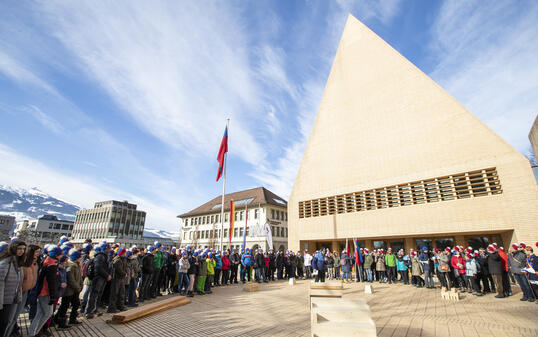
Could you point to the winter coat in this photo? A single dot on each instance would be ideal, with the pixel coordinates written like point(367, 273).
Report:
point(518, 260)
point(293, 260)
point(159, 260)
point(210, 266)
point(346, 267)
point(218, 262)
point(368, 260)
point(234, 259)
point(74, 278)
point(225, 262)
point(246, 259)
point(532, 261)
point(11, 278)
point(390, 260)
point(494, 263)
point(300, 262)
point(184, 265)
point(30, 277)
point(148, 263)
point(458, 264)
point(101, 265)
point(193, 267)
point(444, 261)
point(483, 263)
point(272, 261)
point(318, 262)
point(471, 268)
point(202, 266)
point(48, 279)
point(135, 266)
point(120, 267)
point(416, 267)
point(504, 260)
point(336, 261)
point(259, 262)
point(171, 265)
point(380, 263)
point(307, 260)
point(279, 261)
point(427, 263)
point(400, 264)
point(62, 279)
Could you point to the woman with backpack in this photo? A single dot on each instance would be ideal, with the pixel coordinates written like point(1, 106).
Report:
point(11, 279)
point(47, 290)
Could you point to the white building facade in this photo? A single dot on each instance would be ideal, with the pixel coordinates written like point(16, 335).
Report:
point(201, 227)
point(45, 229)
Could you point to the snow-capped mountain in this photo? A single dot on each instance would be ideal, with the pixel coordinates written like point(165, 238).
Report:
point(32, 203)
point(159, 233)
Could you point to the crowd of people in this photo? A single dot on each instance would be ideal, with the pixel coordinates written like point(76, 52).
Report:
point(51, 281)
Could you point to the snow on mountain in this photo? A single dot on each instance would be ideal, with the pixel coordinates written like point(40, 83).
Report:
point(32, 203)
point(159, 233)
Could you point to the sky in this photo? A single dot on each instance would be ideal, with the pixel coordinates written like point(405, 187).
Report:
point(128, 100)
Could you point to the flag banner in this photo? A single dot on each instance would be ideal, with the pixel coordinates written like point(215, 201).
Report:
point(222, 152)
point(268, 235)
point(232, 220)
point(246, 226)
point(358, 256)
point(347, 248)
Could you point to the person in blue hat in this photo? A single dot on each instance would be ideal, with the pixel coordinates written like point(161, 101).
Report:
point(72, 291)
point(100, 276)
point(148, 268)
point(192, 272)
point(235, 260)
point(218, 268)
point(202, 273)
point(246, 262)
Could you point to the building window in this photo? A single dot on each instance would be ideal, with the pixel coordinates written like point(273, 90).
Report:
point(277, 215)
point(212, 219)
point(57, 226)
point(235, 232)
point(423, 243)
point(457, 186)
point(241, 216)
point(217, 217)
point(226, 217)
point(272, 214)
point(478, 242)
point(241, 231)
point(235, 216)
point(281, 215)
point(256, 211)
point(396, 245)
point(379, 245)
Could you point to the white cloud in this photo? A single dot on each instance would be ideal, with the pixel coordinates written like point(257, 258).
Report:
point(172, 68)
point(21, 74)
point(22, 171)
point(46, 120)
point(487, 60)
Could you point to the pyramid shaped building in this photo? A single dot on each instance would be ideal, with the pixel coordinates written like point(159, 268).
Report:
point(394, 161)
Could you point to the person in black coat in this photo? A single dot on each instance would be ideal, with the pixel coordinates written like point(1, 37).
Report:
point(484, 275)
point(100, 277)
point(259, 264)
point(495, 269)
point(148, 268)
point(272, 265)
point(234, 265)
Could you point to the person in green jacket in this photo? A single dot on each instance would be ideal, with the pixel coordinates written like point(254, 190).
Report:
point(158, 265)
point(336, 265)
point(202, 273)
point(390, 262)
point(211, 263)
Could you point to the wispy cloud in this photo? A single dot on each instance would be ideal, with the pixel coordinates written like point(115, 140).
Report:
point(21, 74)
point(46, 120)
point(487, 60)
point(22, 171)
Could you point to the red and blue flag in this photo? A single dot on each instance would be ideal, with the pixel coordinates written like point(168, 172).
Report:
point(222, 152)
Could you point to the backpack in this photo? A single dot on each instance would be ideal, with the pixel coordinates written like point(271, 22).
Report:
point(343, 261)
point(88, 269)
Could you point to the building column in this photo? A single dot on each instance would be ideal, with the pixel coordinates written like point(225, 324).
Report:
point(369, 244)
point(409, 243)
point(334, 246)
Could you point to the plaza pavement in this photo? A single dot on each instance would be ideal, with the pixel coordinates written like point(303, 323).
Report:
point(282, 310)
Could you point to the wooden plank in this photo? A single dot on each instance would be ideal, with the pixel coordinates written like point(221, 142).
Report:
point(148, 309)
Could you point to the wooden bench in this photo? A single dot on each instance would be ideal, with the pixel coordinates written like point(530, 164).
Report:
point(334, 285)
point(251, 287)
point(345, 302)
point(148, 309)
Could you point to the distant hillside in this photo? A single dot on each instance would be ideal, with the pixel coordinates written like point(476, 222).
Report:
point(25, 204)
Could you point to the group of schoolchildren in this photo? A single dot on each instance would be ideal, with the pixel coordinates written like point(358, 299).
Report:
point(478, 272)
point(50, 281)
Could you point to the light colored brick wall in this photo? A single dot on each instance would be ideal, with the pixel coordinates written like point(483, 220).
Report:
point(381, 122)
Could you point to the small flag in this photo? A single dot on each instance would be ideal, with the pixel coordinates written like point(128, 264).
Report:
point(222, 152)
point(232, 220)
point(347, 248)
point(246, 226)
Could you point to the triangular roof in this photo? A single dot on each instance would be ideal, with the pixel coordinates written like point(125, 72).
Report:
point(259, 196)
point(382, 118)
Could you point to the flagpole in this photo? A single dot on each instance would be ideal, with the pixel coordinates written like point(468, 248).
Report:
point(223, 191)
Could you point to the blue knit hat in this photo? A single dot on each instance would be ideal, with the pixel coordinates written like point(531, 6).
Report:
point(157, 244)
point(3, 246)
point(87, 247)
point(104, 246)
point(210, 255)
point(195, 254)
point(151, 249)
point(74, 254)
point(128, 254)
point(97, 249)
point(54, 252)
point(424, 248)
point(62, 258)
point(13, 239)
point(63, 239)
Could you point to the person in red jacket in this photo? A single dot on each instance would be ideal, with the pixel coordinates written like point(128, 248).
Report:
point(225, 268)
point(267, 270)
point(459, 270)
point(505, 268)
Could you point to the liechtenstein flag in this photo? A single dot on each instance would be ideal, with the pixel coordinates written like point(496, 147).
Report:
point(222, 152)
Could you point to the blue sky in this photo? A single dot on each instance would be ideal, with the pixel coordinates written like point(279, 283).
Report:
point(128, 99)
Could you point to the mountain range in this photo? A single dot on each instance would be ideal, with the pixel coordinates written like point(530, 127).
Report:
point(32, 203)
